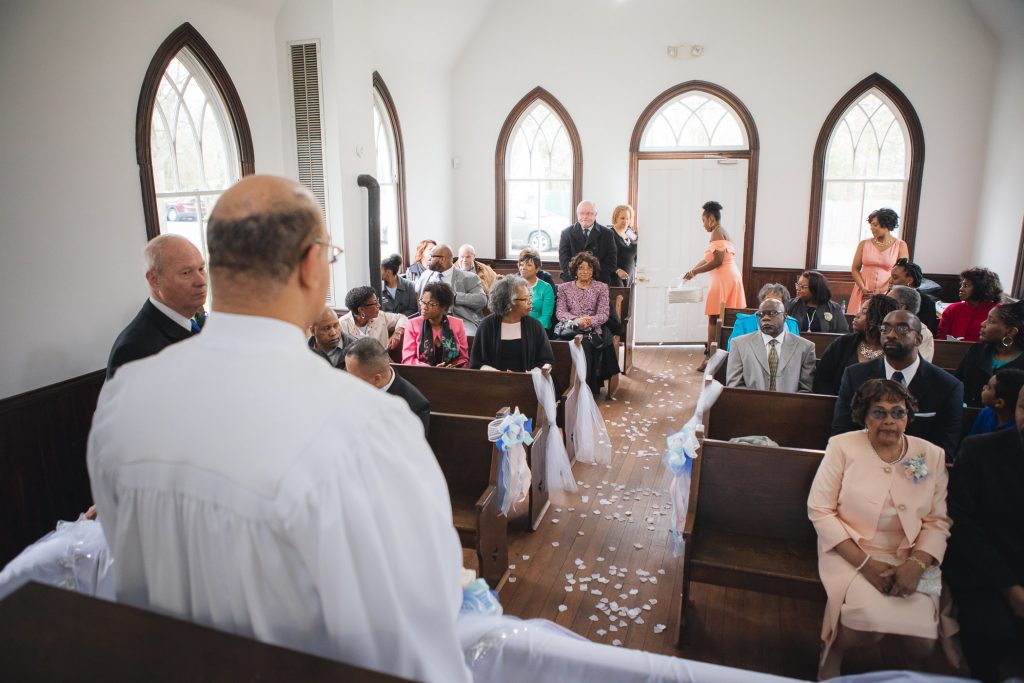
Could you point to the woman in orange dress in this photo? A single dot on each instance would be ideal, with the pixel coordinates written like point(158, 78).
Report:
point(726, 287)
point(875, 257)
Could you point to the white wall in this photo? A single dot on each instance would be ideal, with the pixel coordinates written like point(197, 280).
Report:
point(72, 228)
point(789, 62)
point(1002, 201)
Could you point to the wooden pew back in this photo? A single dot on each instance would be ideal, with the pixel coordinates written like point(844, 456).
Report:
point(821, 340)
point(728, 316)
point(468, 460)
point(791, 420)
point(472, 392)
point(948, 354)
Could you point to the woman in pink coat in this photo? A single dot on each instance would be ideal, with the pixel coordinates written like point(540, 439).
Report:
point(434, 337)
point(878, 503)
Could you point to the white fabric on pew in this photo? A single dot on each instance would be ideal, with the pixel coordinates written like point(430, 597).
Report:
point(503, 648)
point(558, 469)
point(73, 556)
point(584, 423)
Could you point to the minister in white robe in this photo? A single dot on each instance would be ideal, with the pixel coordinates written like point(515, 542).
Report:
point(243, 484)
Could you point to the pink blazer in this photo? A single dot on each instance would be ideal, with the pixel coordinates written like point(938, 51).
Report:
point(411, 343)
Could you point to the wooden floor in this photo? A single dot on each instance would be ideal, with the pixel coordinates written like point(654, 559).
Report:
point(611, 539)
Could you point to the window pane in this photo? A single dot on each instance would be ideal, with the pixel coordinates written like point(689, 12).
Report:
point(840, 224)
point(536, 213)
point(694, 121)
point(388, 220)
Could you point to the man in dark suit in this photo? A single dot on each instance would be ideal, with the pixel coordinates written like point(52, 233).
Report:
point(984, 562)
point(367, 359)
point(588, 235)
point(327, 340)
point(176, 274)
point(939, 395)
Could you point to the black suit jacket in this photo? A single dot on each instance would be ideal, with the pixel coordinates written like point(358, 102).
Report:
point(149, 332)
point(939, 395)
point(418, 403)
point(601, 244)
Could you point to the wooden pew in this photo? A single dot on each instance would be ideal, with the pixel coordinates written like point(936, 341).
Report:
point(821, 340)
point(791, 420)
point(52, 634)
point(948, 354)
point(483, 393)
point(621, 299)
point(728, 316)
point(747, 524)
point(471, 463)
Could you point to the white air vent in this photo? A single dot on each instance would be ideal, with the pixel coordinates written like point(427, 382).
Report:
point(309, 136)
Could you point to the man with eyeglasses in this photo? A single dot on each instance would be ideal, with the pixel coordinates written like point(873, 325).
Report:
point(239, 480)
point(470, 299)
point(771, 359)
point(939, 394)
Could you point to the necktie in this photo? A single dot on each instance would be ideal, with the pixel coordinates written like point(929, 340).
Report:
point(773, 363)
point(586, 235)
point(195, 326)
point(898, 377)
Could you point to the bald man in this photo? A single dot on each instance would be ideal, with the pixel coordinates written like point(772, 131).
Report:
point(586, 234)
point(467, 262)
point(327, 340)
point(470, 299)
point(176, 274)
point(241, 482)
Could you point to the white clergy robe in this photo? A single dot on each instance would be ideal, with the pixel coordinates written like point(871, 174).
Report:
point(244, 484)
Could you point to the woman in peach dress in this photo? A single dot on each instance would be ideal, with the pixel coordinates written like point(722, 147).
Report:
point(878, 503)
point(875, 257)
point(726, 287)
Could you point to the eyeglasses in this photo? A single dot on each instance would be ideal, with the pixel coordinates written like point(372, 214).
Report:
point(372, 304)
point(881, 413)
point(523, 298)
point(333, 252)
point(429, 304)
point(902, 329)
point(769, 314)
point(800, 286)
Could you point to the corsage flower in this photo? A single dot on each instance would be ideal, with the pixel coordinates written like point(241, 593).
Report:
point(915, 469)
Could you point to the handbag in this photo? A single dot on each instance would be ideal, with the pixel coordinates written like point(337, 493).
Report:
point(566, 329)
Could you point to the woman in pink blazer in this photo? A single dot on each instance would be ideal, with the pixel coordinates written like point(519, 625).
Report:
point(434, 337)
point(878, 503)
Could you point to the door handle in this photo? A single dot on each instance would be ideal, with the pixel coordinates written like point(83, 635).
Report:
point(642, 278)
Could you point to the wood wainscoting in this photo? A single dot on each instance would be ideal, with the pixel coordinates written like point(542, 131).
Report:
point(43, 477)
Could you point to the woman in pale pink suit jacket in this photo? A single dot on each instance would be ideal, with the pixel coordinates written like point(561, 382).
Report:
point(878, 503)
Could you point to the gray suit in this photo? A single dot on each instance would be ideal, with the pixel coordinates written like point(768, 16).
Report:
point(470, 299)
point(748, 363)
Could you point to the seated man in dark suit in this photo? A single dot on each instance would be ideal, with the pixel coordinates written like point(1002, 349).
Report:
point(176, 274)
point(586, 234)
point(367, 359)
point(984, 561)
point(327, 340)
point(939, 395)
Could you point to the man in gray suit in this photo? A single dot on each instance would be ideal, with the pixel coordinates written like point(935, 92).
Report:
point(771, 359)
point(469, 291)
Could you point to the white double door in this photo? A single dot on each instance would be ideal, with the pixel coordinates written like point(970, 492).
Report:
point(672, 239)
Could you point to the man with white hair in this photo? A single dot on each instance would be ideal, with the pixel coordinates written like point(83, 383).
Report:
point(239, 479)
point(176, 274)
point(467, 262)
point(586, 234)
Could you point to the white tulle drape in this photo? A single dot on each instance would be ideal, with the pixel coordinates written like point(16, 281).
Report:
point(584, 423)
point(558, 469)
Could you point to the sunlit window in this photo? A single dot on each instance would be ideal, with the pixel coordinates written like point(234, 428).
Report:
point(388, 177)
point(194, 156)
point(866, 168)
point(694, 121)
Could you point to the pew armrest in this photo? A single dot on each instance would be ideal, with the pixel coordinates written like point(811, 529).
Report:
point(691, 510)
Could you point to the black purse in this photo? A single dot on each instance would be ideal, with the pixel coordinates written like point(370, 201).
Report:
point(566, 329)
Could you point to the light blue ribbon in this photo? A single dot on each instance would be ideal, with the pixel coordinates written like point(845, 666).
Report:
point(678, 457)
point(515, 431)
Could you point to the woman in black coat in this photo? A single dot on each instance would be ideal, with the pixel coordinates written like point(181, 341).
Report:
point(1001, 345)
point(813, 307)
point(510, 338)
point(861, 345)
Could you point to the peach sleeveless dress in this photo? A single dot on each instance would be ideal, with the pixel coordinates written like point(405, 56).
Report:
point(726, 286)
point(875, 269)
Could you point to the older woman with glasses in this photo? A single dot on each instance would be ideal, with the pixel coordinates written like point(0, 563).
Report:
point(434, 337)
point(878, 503)
point(365, 319)
point(813, 307)
point(510, 338)
point(542, 291)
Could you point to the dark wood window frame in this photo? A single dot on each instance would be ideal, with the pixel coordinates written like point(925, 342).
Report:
point(396, 127)
point(1018, 273)
point(184, 36)
point(752, 153)
point(908, 221)
point(538, 93)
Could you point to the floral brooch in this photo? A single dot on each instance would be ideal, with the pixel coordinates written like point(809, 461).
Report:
point(915, 469)
point(828, 316)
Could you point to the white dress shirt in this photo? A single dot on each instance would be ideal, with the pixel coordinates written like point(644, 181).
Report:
point(766, 340)
point(172, 314)
point(244, 484)
point(908, 372)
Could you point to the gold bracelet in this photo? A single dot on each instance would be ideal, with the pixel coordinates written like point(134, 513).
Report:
point(921, 564)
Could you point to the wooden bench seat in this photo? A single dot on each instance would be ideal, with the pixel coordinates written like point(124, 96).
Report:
point(470, 463)
point(791, 420)
point(747, 524)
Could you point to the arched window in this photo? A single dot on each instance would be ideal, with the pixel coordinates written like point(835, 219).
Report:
point(869, 155)
point(538, 175)
point(387, 139)
point(192, 137)
point(694, 121)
